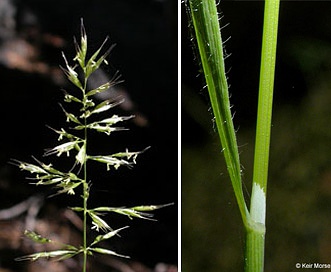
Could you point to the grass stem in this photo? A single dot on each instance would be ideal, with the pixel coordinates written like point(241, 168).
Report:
point(267, 72)
point(85, 187)
point(205, 21)
point(255, 239)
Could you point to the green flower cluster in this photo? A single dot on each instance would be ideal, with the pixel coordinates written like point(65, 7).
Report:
point(75, 142)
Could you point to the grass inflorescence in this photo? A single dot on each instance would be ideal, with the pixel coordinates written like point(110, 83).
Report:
point(73, 143)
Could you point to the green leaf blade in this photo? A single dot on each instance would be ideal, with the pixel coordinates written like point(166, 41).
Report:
point(206, 24)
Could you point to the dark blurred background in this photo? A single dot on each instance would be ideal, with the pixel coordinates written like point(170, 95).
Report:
point(299, 188)
point(32, 35)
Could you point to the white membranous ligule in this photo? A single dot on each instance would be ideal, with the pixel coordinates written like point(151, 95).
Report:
point(258, 204)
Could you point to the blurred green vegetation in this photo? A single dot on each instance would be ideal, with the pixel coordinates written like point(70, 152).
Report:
point(299, 188)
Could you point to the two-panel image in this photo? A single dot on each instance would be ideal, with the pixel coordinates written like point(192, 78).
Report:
point(165, 135)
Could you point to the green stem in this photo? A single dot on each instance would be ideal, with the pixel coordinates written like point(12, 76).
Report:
point(205, 20)
point(206, 25)
point(254, 257)
point(85, 232)
point(85, 196)
point(255, 237)
point(85, 188)
point(267, 74)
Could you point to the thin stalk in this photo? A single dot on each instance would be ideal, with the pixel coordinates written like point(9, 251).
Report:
point(256, 233)
point(267, 74)
point(85, 188)
point(206, 25)
point(85, 196)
